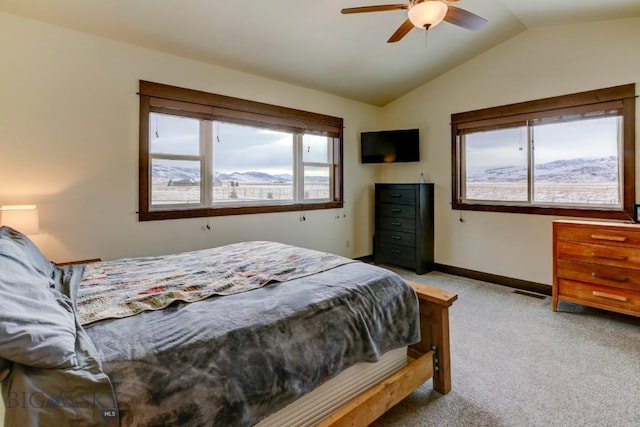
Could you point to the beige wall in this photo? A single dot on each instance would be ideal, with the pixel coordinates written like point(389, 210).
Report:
point(69, 124)
point(535, 64)
point(69, 143)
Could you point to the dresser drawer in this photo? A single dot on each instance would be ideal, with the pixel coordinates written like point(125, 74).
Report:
point(397, 210)
point(615, 277)
point(406, 225)
point(601, 236)
point(396, 254)
point(617, 256)
point(390, 195)
point(398, 238)
point(600, 296)
point(597, 263)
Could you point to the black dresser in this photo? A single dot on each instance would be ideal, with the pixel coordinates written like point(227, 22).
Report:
point(404, 226)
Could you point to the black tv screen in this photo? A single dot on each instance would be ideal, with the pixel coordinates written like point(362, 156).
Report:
point(390, 146)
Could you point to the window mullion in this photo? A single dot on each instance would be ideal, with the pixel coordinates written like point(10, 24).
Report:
point(331, 170)
point(461, 163)
point(316, 164)
point(530, 163)
point(621, 165)
point(298, 168)
point(206, 154)
point(173, 156)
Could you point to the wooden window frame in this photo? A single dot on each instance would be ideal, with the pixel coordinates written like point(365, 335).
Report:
point(157, 97)
point(494, 117)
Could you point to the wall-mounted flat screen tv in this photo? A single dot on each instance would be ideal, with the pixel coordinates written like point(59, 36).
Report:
point(390, 146)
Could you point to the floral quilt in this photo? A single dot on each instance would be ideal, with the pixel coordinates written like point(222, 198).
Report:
point(125, 287)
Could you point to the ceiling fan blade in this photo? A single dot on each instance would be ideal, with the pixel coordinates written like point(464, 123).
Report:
point(401, 32)
point(464, 19)
point(381, 8)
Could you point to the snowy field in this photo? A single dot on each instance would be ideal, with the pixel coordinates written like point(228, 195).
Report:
point(244, 191)
point(548, 192)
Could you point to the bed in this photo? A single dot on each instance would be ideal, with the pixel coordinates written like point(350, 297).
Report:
point(234, 335)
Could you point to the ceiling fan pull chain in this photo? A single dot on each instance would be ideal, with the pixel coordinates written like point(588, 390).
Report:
point(426, 37)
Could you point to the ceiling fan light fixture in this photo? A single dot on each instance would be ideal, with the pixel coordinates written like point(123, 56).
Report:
point(428, 13)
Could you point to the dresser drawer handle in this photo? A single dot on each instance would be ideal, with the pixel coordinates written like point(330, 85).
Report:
point(396, 195)
point(613, 279)
point(395, 251)
point(396, 237)
point(610, 296)
point(396, 210)
point(613, 257)
point(397, 224)
point(610, 238)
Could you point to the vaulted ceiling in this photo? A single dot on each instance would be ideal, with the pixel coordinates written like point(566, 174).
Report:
point(310, 43)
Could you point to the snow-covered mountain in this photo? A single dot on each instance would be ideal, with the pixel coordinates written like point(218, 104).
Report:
point(186, 174)
point(165, 173)
point(604, 169)
point(251, 177)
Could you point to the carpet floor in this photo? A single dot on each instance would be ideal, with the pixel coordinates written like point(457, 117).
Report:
point(517, 363)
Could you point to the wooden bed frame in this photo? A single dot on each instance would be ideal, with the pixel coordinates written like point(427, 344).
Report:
point(429, 358)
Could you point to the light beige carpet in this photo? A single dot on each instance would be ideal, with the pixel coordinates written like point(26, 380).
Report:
point(517, 363)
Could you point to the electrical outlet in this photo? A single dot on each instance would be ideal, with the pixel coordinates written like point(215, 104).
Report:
point(348, 243)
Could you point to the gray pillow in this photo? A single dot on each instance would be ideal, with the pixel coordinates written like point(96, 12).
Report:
point(67, 279)
point(5, 369)
point(37, 323)
point(32, 254)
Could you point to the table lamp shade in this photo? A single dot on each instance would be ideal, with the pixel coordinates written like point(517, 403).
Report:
point(23, 218)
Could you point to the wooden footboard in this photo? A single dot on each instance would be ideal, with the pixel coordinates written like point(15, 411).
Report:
point(429, 358)
point(434, 327)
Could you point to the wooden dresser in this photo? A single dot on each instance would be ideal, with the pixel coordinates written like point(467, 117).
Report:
point(597, 264)
point(404, 226)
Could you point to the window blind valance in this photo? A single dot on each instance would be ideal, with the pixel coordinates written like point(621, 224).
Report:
point(192, 103)
point(583, 102)
point(611, 108)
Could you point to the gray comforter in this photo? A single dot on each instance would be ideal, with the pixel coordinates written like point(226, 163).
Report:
point(233, 360)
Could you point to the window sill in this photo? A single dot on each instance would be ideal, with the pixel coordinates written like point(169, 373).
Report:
point(236, 210)
point(615, 214)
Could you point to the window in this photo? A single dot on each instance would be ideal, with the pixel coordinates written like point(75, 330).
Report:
point(570, 155)
point(203, 154)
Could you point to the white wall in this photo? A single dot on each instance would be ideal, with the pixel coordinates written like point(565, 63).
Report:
point(535, 64)
point(69, 143)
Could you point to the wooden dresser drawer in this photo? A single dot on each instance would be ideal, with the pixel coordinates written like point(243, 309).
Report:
point(397, 195)
point(597, 264)
point(623, 301)
point(601, 235)
point(615, 277)
point(617, 256)
point(406, 225)
point(395, 254)
point(397, 210)
point(398, 238)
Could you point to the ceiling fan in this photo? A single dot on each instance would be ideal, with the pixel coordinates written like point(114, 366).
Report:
point(425, 14)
